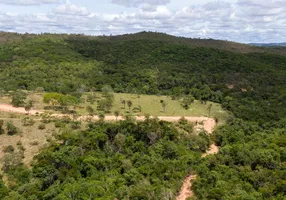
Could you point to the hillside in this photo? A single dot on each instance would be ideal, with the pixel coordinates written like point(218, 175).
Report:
point(145, 159)
point(248, 84)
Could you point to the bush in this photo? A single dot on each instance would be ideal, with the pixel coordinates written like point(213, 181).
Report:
point(11, 129)
point(34, 142)
point(27, 121)
point(183, 121)
point(1, 127)
point(59, 124)
point(8, 149)
point(46, 118)
point(42, 126)
point(75, 125)
point(18, 98)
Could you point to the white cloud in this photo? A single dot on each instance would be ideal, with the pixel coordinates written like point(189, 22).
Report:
point(242, 21)
point(137, 3)
point(159, 12)
point(28, 2)
point(71, 9)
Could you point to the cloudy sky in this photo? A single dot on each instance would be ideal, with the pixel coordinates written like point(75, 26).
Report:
point(236, 20)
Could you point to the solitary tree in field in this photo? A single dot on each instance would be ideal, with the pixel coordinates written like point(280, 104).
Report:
point(164, 104)
point(187, 101)
point(209, 109)
point(129, 104)
point(116, 113)
point(124, 103)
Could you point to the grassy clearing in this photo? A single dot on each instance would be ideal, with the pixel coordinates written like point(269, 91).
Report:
point(151, 105)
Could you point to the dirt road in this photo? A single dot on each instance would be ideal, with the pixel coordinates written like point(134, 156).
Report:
point(186, 189)
point(208, 123)
point(10, 108)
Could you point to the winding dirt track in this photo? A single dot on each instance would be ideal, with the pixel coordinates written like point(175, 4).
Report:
point(186, 189)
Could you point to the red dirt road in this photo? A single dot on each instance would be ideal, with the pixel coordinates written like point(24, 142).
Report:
point(208, 123)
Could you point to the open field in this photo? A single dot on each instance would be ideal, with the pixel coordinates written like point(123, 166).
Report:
point(150, 104)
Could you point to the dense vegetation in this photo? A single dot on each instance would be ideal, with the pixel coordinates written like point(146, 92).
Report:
point(126, 160)
point(250, 164)
point(144, 160)
point(250, 85)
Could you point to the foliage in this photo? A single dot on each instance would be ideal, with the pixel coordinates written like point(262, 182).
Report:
point(28, 121)
point(18, 98)
point(251, 163)
point(143, 160)
point(11, 128)
point(28, 106)
point(151, 63)
point(8, 149)
point(1, 127)
point(148, 160)
point(187, 101)
point(42, 126)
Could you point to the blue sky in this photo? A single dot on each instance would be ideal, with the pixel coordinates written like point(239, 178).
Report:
point(235, 20)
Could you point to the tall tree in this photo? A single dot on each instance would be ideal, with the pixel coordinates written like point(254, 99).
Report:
point(116, 113)
point(129, 104)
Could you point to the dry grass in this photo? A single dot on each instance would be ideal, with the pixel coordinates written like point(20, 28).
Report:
point(30, 137)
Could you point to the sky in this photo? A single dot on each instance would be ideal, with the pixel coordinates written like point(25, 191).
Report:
point(245, 21)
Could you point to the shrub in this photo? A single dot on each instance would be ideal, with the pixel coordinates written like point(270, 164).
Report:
point(34, 143)
point(46, 118)
point(27, 121)
point(18, 98)
point(1, 127)
point(42, 126)
point(59, 124)
point(8, 149)
point(11, 129)
point(183, 121)
point(75, 125)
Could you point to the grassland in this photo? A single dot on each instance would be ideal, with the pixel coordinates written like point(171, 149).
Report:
point(150, 104)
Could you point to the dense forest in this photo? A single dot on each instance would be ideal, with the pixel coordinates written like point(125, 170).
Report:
point(147, 160)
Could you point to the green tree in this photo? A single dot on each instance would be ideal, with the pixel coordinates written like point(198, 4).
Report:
point(124, 103)
point(90, 110)
point(116, 113)
point(28, 106)
point(129, 104)
point(1, 126)
point(187, 101)
point(101, 116)
point(11, 128)
point(209, 108)
point(18, 98)
point(164, 104)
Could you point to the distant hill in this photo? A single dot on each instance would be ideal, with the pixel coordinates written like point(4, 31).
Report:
point(269, 44)
point(247, 80)
point(6, 37)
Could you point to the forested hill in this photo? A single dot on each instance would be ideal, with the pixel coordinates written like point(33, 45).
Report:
point(249, 81)
point(148, 160)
